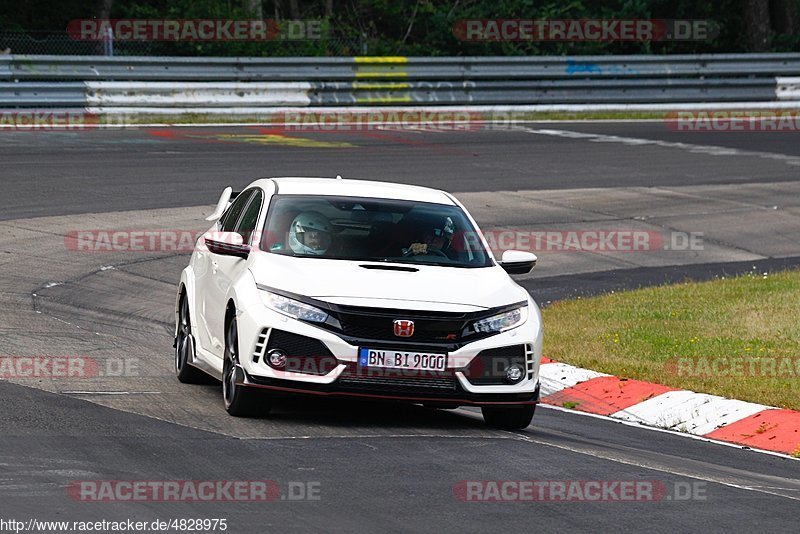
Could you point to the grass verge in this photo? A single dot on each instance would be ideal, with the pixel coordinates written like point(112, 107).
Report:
point(267, 117)
point(736, 337)
point(270, 117)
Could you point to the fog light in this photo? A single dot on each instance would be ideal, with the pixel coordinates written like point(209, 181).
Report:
point(276, 358)
point(514, 373)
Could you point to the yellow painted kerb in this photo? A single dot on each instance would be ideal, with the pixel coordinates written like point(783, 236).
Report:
point(377, 86)
point(381, 59)
point(382, 99)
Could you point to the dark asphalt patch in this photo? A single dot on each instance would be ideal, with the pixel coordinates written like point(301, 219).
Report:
point(553, 288)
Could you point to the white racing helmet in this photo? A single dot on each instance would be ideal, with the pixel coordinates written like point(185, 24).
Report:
point(300, 239)
point(444, 228)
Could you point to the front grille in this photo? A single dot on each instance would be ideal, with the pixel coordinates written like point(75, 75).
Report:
point(392, 380)
point(378, 324)
point(488, 367)
point(304, 354)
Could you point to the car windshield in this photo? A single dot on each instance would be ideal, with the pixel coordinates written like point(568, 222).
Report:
point(370, 229)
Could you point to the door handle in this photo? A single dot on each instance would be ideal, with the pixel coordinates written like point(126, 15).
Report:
point(214, 266)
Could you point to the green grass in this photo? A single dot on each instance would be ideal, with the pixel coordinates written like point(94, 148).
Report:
point(663, 334)
point(589, 115)
point(503, 119)
point(187, 118)
point(269, 116)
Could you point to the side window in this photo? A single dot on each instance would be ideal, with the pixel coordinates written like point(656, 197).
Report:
point(248, 223)
point(228, 222)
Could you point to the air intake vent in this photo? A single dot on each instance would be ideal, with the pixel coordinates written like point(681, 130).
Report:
point(303, 354)
point(489, 366)
point(530, 360)
point(393, 380)
point(261, 345)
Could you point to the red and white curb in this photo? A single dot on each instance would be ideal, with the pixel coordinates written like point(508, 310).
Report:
point(710, 416)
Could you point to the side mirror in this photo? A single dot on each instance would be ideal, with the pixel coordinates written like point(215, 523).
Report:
point(222, 204)
point(226, 244)
point(518, 262)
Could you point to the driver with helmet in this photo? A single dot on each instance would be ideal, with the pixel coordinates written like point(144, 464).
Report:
point(310, 234)
point(437, 239)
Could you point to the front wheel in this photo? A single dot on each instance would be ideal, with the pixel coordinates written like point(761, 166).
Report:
point(184, 348)
point(240, 401)
point(509, 417)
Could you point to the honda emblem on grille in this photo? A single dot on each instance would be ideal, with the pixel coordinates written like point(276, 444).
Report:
point(403, 328)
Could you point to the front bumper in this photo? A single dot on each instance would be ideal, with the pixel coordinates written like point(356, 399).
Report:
point(259, 324)
point(457, 396)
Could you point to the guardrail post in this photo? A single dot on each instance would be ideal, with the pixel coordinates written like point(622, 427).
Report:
point(108, 41)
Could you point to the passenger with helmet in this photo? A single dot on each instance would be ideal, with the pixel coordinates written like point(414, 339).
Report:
point(310, 233)
point(436, 239)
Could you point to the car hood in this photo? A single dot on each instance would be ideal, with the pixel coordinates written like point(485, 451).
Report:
point(347, 282)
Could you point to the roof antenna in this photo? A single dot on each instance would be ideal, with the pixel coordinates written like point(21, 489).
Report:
point(338, 176)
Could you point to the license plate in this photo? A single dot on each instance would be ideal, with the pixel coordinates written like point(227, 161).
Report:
point(397, 359)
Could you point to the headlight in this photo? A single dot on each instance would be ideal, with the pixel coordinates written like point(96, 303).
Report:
point(293, 308)
point(501, 321)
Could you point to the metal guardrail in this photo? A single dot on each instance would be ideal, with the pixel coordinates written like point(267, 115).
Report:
point(788, 88)
point(5, 67)
point(265, 82)
point(80, 68)
point(68, 94)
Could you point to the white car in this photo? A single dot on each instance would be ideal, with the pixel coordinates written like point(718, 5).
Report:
point(354, 288)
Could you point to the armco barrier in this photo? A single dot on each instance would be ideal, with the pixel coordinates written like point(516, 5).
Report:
point(5, 68)
point(192, 95)
point(35, 94)
point(186, 83)
point(788, 88)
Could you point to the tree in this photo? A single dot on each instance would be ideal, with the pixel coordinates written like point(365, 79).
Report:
point(784, 14)
point(103, 10)
point(294, 9)
point(756, 20)
point(254, 9)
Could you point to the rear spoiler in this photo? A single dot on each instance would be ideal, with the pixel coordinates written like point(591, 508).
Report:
point(224, 201)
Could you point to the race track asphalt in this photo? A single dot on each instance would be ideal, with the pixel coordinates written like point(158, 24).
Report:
point(376, 466)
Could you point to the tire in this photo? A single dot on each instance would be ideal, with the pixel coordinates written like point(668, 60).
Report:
point(184, 348)
point(239, 401)
point(509, 418)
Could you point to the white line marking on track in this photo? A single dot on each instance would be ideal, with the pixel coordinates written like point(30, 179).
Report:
point(710, 150)
point(598, 453)
point(667, 431)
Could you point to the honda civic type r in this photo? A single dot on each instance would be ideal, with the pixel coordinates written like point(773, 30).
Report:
point(354, 288)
